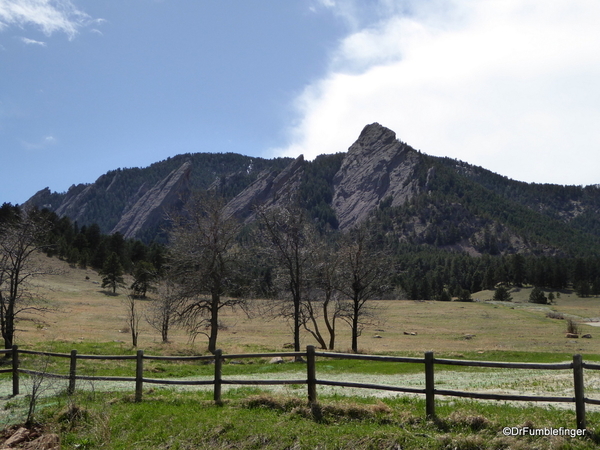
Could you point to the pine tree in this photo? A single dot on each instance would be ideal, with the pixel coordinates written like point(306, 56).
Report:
point(538, 296)
point(112, 272)
point(502, 294)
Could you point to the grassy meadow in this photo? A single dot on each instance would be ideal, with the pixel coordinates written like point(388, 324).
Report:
point(86, 318)
point(83, 312)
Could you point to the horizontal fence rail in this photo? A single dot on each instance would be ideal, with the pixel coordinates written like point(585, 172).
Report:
point(311, 380)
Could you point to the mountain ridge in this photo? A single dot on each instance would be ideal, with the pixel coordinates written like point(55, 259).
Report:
point(402, 194)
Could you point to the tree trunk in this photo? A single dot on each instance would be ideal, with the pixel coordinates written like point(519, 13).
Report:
point(134, 336)
point(214, 322)
point(355, 313)
point(315, 332)
point(332, 337)
point(329, 324)
point(8, 330)
point(296, 324)
point(164, 331)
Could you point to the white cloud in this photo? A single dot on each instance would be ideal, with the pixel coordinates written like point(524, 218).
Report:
point(509, 85)
point(32, 42)
point(42, 144)
point(50, 16)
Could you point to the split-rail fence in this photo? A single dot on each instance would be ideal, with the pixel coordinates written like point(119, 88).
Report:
point(311, 380)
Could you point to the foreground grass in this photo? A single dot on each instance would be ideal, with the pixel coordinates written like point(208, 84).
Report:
point(252, 419)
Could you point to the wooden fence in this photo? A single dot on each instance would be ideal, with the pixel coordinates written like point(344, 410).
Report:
point(311, 380)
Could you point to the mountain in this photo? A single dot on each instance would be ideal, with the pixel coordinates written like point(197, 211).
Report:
point(403, 195)
point(133, 201)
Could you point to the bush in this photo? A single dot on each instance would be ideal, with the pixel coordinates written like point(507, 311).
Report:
point(572, 327)
point(465, 296)
point(445, 296)
point(555, 315)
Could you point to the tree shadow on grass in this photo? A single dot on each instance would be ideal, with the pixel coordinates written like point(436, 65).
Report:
point(109, 293)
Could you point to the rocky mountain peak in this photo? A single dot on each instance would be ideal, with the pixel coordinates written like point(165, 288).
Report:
point(377, 166)
point(372, 137)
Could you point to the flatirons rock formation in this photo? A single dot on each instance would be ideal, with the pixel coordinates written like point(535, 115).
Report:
point(151, 207)
point(376, 167)
point(269, 190)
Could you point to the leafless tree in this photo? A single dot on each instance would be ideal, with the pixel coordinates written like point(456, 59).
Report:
point(204, 259)
point(133, 317)
point(161, 311)
point(323, 303)
point(20, 240)
point(364, 273)
point(41, 381)
point(287, 236)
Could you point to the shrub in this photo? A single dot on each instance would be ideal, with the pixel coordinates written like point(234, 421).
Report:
point(465, 296)
point(444, 296)
point(572, 327)
point(555, 315)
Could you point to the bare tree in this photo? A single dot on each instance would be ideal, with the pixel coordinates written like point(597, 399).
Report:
point(321, 303)
point(161, 312)
point(20, 240)
point(133, 317)
point(326, 283)
point(309, 315)
point(204, 258)
point(41, 382)
point(287, 234)
point(364, 275)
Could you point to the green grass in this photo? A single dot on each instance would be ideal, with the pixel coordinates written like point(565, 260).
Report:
point(179, 369)
point(251, 419)
point(326, 367)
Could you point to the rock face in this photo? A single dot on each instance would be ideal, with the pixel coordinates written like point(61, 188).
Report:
point(269, 190)
point(150, 209)
point(377, 167)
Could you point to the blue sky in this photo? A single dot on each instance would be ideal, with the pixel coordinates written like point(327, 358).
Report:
point(90, 86)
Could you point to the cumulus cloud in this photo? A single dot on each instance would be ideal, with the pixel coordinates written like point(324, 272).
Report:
point(50, 16)
point(509, 85)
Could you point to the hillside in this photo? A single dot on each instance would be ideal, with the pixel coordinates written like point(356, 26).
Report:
point(117, 193)
point(406, 197)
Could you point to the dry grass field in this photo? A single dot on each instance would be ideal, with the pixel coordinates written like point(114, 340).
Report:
point(83, 311)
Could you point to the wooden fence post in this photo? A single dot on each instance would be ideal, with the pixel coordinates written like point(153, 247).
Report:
point(139, 375)
point(311, 374)
point(72, 372)
point(579, 391)
point(218, 376)
point(429, 386)
point(15, 369)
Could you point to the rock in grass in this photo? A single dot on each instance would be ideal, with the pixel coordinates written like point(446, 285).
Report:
point(21, 435)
